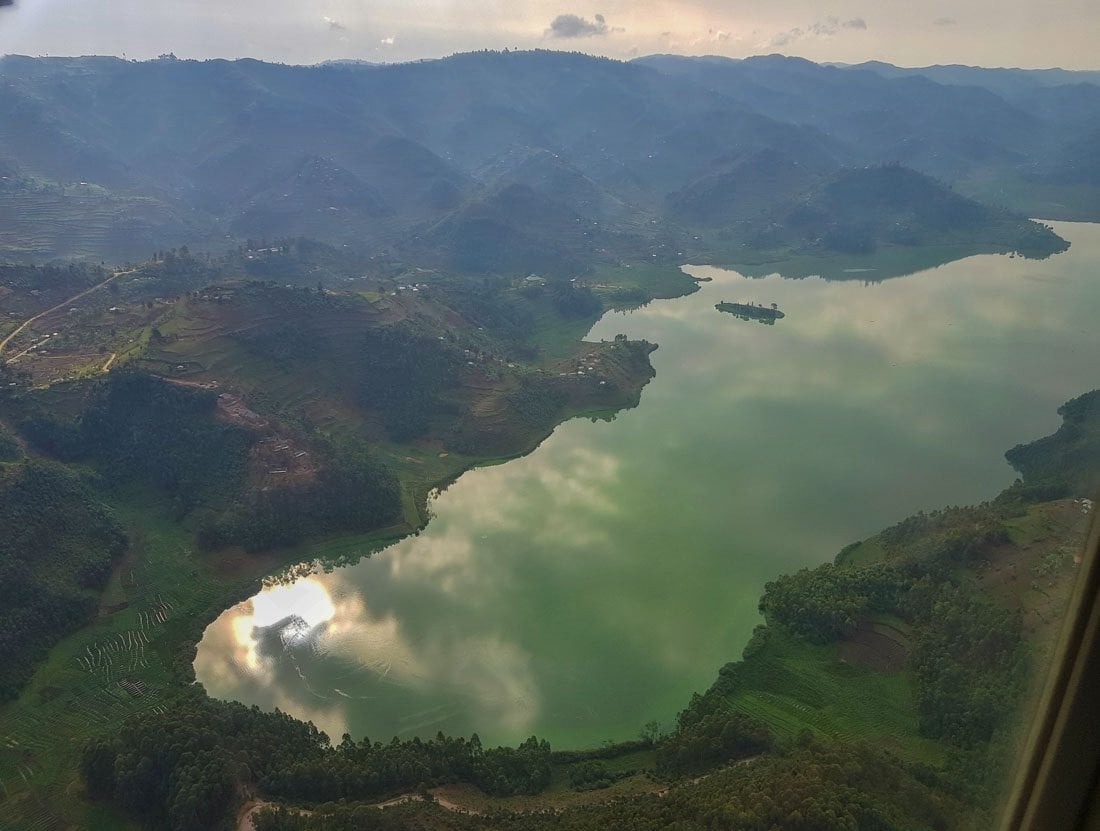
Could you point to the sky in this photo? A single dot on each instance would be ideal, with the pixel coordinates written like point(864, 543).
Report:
point(1027, 33)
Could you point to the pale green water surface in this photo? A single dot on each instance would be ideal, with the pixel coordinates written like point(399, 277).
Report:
point(593, 585)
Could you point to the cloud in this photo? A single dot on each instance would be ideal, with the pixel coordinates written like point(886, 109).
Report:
point(333, 24)
point(575, 26)
point(821, 29)
point(944, 21)
point(786, 37)
point(709, 39)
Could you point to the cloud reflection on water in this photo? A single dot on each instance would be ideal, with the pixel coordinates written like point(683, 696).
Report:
point(592, 585)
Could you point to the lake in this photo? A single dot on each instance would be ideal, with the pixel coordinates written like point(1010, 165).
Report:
point(591, 586)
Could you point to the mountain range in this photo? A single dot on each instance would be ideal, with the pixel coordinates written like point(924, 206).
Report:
point(522, 161)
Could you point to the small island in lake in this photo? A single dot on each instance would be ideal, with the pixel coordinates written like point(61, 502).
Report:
point(764, 314)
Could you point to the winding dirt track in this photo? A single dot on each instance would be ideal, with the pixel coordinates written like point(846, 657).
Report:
point(58, 307)
point(244, 821)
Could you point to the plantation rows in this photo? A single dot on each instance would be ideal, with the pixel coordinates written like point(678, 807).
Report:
point(124, 651)
point(39, 222)
point(112, 689)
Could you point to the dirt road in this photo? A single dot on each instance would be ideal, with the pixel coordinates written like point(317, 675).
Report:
point(245, 823)
point(58, 307)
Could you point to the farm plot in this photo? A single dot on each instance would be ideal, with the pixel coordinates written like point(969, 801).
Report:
point(793, 685)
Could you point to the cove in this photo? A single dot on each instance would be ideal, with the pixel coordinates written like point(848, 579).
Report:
point(589, 587)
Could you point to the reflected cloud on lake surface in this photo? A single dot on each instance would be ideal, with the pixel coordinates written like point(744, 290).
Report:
point(593, 585)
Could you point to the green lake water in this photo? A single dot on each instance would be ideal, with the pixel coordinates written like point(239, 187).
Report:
point(593, 585)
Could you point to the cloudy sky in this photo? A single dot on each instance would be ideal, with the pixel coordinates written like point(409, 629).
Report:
point(1029, 33)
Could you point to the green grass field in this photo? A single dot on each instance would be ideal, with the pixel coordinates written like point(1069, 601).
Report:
point(862, 553)
point(555, 337)
point(1032, 527)
point(792, 685)
point(657, 280)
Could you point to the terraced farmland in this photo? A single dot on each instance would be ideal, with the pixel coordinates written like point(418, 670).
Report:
point(84, 222)
point(123, 664)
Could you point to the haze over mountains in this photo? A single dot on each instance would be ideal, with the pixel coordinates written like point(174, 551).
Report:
point(533, 160)
point(255, 316)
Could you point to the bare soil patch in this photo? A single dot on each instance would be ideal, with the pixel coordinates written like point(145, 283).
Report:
point(877, 646)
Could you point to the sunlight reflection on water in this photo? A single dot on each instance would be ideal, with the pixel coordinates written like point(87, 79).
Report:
point(591, 586)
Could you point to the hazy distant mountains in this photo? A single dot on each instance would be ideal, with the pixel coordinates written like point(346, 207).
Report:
point(1007, 82)
point(524, 161)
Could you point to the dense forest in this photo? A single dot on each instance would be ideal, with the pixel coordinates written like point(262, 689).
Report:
point(817, 786)
point(141, 430)
point(352, 492)
point(967, 652)
point(405, 376)
point(72, 276)
point(188, 768)
point(1063, 463)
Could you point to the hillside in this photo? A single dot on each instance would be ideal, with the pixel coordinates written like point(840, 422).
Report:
point(986, 131)
point(856, 211)
point(671, 152)
point(739, 189)
point(1063, 464)
point(190, 354)
point(59, 549)
point(254, 316)
point(550, 174)
point(196, 427)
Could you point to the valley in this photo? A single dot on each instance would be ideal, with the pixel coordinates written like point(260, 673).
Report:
point(375, 447)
